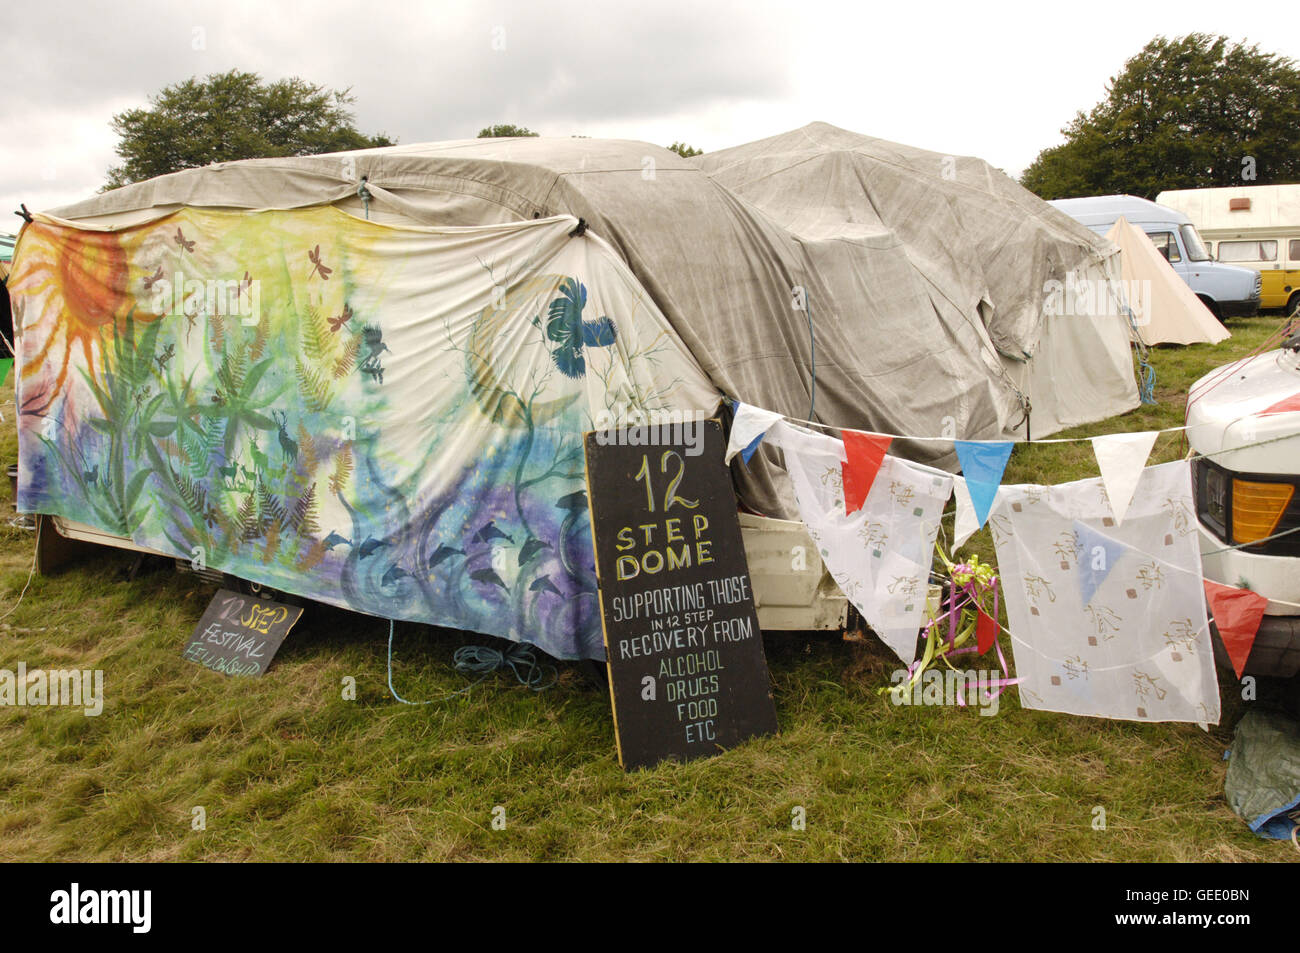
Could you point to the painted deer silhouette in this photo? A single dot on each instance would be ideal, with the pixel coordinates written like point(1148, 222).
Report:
point(287, 443)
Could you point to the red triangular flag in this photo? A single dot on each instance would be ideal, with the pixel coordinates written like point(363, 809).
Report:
point(865, 453)
point(1284, 405)
point(986, 631)
point(1237, 614)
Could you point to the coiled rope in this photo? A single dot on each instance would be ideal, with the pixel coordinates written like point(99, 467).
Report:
point(482, 661)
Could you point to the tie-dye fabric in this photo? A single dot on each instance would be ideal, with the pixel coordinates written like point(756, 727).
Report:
point(387, 419)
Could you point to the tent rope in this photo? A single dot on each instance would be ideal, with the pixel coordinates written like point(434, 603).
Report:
point(812, 358)
point(1146, 373)
point(481, 660)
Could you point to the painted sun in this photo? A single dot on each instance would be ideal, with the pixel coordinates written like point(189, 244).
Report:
point(68, 287)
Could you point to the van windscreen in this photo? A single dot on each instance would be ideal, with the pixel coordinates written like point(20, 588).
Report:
point(1192, 242)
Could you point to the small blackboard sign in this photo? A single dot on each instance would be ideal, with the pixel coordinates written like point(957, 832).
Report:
point(239, 635)
point(687, 672)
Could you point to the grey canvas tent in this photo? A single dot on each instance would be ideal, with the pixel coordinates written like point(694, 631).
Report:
point(820, 272)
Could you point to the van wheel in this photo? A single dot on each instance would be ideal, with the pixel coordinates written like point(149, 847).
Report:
point(1213, 307)
point(1292, 303)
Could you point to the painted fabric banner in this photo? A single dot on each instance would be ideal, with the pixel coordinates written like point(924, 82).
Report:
point(1107, 620)
point(387, 419)
point(880, 555)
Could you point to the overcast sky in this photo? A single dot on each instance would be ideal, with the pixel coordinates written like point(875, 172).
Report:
point(959, 78)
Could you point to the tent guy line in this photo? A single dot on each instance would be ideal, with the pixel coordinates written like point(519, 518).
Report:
point(1163, 430)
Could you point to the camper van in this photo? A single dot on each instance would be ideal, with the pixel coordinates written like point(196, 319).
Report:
point(1247, 490)
point(1227, 290)
point(1255, 226)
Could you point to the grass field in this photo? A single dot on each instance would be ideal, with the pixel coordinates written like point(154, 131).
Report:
point(286, 769)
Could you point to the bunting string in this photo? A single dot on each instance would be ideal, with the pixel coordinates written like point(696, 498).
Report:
point(860, 525)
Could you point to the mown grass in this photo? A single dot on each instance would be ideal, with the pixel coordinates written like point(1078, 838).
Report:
point(286, 769)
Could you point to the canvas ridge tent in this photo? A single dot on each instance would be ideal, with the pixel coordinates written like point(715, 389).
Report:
point(947, 259)
point(1166, 310)
point(434, 340)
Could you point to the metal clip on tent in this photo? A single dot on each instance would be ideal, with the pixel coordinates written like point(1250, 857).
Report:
point(579, 229)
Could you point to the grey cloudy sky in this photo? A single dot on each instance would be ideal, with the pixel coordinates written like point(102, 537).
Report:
point(964, 78)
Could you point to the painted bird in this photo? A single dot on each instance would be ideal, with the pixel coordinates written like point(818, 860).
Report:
point(489, 532)
point(565, 326)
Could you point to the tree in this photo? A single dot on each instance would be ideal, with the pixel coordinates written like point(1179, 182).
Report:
point(233, 115)
point(505, 130)
point(1191, 112)
point(685, 151)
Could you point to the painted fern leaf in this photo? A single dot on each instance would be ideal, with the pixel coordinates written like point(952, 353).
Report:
point(314, 335)
point(303, 517)
point(269, 505)
point(258, 347)
point(342, 469)
point(195, 450)
point(272, 540)
point(308, 453)
point(314, 388)
point(250, 524)
point(351, 351)
point(312, 557)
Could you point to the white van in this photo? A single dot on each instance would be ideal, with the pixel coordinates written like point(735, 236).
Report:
point(1256, 226)
point(1227, 290)
point(1248, 493)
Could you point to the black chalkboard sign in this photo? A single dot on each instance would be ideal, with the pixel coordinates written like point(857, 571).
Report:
point(238, 634)
point(687, 672)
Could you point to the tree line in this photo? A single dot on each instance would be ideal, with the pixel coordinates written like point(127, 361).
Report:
point(1187, 112)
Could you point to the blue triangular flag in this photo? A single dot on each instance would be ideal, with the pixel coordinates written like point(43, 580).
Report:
point(1097, 557)
point(982, 463)
point(747, 430)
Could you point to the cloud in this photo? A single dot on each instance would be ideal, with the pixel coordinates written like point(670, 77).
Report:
point(947, 76)
point(420, 73)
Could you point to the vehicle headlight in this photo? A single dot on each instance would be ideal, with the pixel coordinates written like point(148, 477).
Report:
point(1257, 508)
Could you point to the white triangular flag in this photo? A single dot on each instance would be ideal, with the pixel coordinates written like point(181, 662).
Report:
point(1122, 457)
point(747, 430)
point(967, 522)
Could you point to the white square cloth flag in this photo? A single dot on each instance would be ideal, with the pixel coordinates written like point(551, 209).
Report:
point(879, 555)
point(1107, 620)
